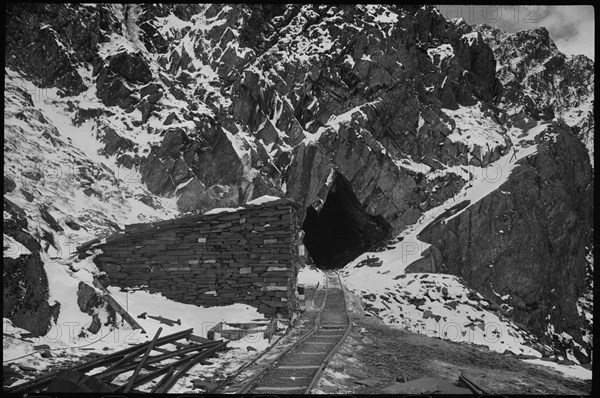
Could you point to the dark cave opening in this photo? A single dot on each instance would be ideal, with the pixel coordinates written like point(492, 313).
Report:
point(341, 231)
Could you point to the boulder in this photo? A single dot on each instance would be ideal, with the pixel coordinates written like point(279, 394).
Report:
point(132, 66)
point(25, 293)
point(87, 297)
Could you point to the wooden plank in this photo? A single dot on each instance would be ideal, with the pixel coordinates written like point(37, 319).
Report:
point(35, 385)
point(70, 381)
point(142, 362)
point(299, 367)
point(472, 386)
point(179, 345)
point(192, 362)
point(126, 358)
point(165, 351)
point(152, 375)
point(162, 381)
point(198, 339)
point(158, 358)
point(87, 244)
point(117, 307)
point(279, 389)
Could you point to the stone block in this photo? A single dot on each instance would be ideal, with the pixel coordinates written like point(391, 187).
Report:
point(278, 268)
point(275, 288)
point(267, 310)
point(111, 268)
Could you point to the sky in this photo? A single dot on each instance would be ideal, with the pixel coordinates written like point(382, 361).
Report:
point(571, 27)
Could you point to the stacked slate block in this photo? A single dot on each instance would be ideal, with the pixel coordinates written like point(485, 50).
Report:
point(248, 256)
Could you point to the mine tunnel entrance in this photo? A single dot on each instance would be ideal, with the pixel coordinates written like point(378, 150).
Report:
point(341, 230)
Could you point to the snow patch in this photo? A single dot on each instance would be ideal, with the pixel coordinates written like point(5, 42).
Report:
point(262, 200)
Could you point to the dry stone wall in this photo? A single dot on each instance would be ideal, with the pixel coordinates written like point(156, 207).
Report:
point(248, 256)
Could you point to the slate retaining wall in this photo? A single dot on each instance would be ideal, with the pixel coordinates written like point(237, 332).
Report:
point(248, 256)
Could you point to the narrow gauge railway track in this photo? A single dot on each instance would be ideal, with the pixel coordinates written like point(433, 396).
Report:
point(298, 369)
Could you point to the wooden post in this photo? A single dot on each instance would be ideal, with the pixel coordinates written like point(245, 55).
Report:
point(215, 329)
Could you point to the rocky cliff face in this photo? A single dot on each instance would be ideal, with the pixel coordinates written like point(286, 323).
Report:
point(542, 82)
point(159, 110)
point(236, 107)
point(525, 243)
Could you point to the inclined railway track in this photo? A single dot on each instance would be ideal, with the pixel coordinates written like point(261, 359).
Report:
point(298, 368)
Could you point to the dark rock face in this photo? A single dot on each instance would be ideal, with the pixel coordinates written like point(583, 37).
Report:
point(113, 90)
point(48, 40)
point(471, 75)
point(25, 293)
point(46, 216)
point(180, 158)
point(115, 143)
point(16, 226)
point(133, 67)
point(383, 190)
point(528, 238)
point(431, 261)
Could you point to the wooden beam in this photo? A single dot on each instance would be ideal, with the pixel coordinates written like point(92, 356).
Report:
point(164, 379)
point(198, 339)
point(117, 307)
point(157, 358)
point(142, 362)
point(152, 375)
point(39, 383)
point(164, 388)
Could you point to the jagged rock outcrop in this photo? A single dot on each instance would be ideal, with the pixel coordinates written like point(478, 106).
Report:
point(527, 239)
point(541, 81)
point(47, 41)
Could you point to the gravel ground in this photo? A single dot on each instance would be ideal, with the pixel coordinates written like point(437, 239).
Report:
point(375, 355)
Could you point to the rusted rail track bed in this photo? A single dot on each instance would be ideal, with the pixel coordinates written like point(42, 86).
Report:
point(299, 368)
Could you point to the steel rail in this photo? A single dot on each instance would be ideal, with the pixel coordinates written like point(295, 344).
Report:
point(250, 382)
point(245, 366)
point(321, 370)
